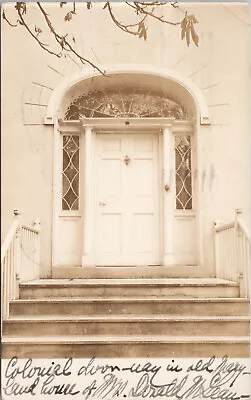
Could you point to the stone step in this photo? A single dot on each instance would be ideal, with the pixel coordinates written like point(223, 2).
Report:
point(126, 346)
point(117, 306)
point(127, 325)
point(106, 288)
point(129, 271)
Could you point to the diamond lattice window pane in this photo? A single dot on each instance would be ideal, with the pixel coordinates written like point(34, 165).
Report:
point(70, 174)
point(183, 172)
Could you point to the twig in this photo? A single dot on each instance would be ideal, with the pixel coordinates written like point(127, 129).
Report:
point(64, 42)
point(8, 21)
point(124, 27)
point(142, 9)
point(41, 44)
point(151, 14)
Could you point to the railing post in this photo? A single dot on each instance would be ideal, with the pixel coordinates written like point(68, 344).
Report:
point(36, 263)
point(13, 255)
point(217, 250)
point(238, 252)
point(232, 249)
point(17, 255)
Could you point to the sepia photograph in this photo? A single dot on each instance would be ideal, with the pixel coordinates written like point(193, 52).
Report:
point(125, 167)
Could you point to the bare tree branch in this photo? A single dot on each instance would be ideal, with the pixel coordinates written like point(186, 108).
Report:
point(64, 43)
point(41, 44)
point(8, 21)
point(143, 10)
point(122, 26)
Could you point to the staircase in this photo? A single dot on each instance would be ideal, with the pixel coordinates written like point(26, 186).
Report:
point(113, 317)
point(60, 318)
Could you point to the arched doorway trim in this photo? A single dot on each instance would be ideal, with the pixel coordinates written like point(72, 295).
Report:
point(183, 82)
point(167, 129)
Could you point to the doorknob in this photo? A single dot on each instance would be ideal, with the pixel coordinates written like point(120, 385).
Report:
point(101, 203)
point(126, 160)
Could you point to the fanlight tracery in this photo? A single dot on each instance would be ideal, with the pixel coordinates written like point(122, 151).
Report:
point(133, 103)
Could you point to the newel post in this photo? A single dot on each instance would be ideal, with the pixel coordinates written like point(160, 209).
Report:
point(17, 256)
point(217, 250)
point(36, 262)
point(238, 252)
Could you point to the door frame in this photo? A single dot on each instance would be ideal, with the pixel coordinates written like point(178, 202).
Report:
point(166, 128)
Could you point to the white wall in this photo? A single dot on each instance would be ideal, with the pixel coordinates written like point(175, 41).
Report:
point(219, 67)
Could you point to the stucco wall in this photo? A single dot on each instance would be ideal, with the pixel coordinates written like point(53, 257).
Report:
point(219, 67)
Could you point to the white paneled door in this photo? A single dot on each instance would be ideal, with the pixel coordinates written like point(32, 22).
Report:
point(127, 199)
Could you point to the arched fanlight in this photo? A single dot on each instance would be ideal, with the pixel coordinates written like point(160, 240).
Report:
point(124, 102)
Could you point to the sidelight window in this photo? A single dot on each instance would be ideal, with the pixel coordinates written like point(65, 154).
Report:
point(70, 173)
point(183, 171)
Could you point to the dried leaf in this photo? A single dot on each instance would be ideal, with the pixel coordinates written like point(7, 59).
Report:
point(140, 33)
point(24, 8)
point(73, 39)
point(195, 37)
point(61, 41)
point(184, 23)
point(183, 31)
point(21, 7)
point(142, 30)
point(89, 5)
point(188, 34)
point(68, 16)
point(145, 34)
point(140, 26)
point(194, 19)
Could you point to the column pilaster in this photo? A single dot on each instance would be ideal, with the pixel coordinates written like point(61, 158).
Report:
point(88, 193)
point(168, 193)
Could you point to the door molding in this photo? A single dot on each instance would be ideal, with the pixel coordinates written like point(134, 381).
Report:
point(183, 83)
point(63, 94)
point(87, 128)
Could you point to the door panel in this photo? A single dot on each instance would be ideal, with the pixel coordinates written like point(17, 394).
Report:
point(127, 199)
point(111, 178)
point(143, 233)
point(111, 233)
point(143, 172)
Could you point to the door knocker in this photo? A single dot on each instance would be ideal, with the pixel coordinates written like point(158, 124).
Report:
point(127, 160)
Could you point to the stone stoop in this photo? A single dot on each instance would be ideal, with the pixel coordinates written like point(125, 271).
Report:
point(57, 318)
